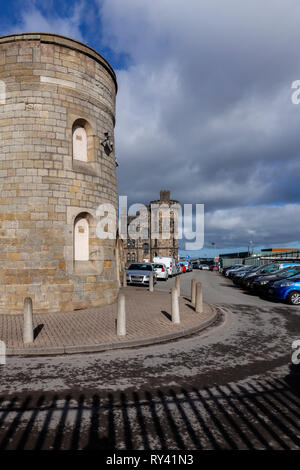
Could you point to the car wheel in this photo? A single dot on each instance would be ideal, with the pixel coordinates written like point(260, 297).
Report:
point(294, 298)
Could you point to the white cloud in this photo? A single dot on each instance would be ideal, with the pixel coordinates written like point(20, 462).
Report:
point(33, 20)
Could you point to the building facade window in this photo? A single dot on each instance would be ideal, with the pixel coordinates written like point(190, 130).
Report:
point(133, 257)
point(81, 239)
point(83, 142)
point(80, 151)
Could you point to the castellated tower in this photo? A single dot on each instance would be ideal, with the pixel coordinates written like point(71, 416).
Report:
point(57, 164)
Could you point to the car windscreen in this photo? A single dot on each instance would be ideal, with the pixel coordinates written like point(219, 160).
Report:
point(140, 267)
point(269, 269)
point(288, 271)
point(157, 266)
point(293, 274)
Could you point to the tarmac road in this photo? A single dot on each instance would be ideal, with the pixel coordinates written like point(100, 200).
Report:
point(218, 289)
point(229, 387)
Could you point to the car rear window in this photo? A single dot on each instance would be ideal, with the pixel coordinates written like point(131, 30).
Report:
point(140, 267)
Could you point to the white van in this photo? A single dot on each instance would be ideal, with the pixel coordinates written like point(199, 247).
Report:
point(169, 262)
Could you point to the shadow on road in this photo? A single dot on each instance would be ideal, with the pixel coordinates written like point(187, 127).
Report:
point(247, 415)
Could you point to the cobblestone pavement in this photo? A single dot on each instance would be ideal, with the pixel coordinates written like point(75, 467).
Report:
point(231, 386)
point(148, 316)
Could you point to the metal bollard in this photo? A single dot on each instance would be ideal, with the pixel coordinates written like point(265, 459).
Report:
point(121, 320)
point(175, 306)
point(28, 321)
point(193, 293)
point(199, 298)
point(124, 279)
point(151, 288)
point(177, 284)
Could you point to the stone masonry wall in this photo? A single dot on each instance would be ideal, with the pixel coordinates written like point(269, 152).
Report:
point(50, 82)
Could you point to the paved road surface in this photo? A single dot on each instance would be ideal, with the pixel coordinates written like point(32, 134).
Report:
point(230, 387)
point(218, 289)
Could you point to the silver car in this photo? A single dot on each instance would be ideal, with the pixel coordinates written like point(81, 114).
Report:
point(161, 271)
point(139, 273)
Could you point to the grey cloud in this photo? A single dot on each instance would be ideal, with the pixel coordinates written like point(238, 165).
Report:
point(204, 106)
point(208, 101)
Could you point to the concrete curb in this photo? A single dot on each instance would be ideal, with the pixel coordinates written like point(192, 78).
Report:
point(92, 348)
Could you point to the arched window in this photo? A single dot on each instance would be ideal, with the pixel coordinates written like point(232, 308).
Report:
point(80, 147)
point(81, 239)
point(146, 248)
point(128, 257)
point(133, 257)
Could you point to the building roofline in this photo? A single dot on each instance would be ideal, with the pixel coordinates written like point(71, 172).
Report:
point(52, 38)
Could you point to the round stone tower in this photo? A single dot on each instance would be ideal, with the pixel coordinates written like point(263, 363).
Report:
point(57, 165)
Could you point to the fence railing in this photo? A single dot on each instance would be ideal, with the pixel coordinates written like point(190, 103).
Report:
point(263, 258)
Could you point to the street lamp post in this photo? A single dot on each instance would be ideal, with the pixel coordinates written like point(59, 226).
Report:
point(214, 251)
point(249, 247)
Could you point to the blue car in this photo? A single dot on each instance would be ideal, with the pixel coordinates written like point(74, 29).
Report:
point(286, 289)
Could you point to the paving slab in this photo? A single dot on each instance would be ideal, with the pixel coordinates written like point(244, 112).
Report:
point(148, 321)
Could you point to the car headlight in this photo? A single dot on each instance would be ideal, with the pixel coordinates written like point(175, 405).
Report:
point(285, 284)
point(262, 283)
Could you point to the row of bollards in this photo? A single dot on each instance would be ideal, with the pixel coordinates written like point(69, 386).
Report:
point(196, 299)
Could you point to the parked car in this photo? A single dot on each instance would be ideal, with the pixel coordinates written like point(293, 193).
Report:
point(183, 266)
point(229, 270)
point(186, 264)
point(214, 267)
point(204, 266)
point(233, 266)
point(265, 269)
point(196, 265)
point(178, 268)
point(287, 290)
point(169, 262)
point(262, 282)
point(239, 274)
point(161, 271)
point(139, 273)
